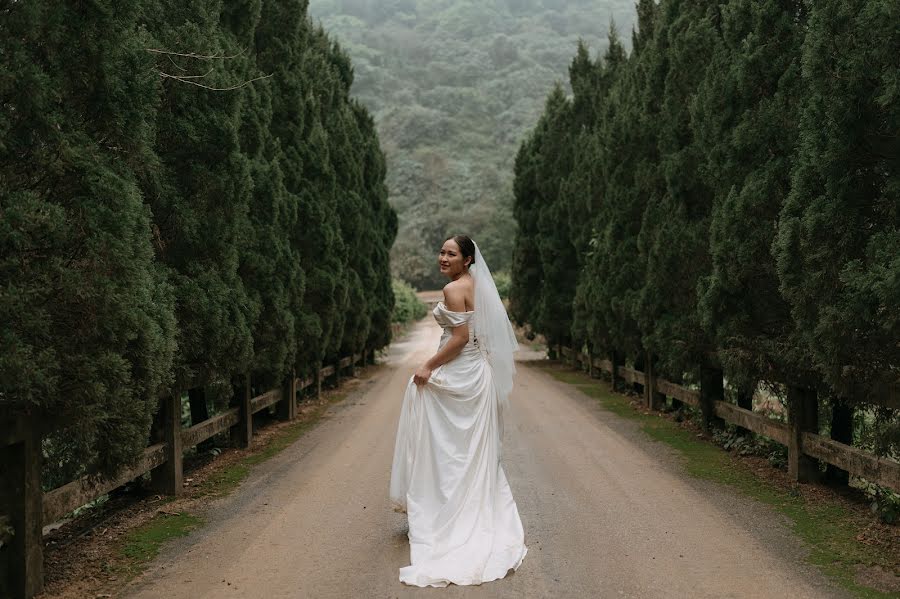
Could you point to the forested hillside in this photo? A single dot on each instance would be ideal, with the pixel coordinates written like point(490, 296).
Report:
point(454, 85)
point(187, 194)
point(730, 188)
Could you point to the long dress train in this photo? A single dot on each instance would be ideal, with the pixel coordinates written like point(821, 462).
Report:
point(464, 526)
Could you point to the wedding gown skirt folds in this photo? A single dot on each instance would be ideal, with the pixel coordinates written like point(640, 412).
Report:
point(464, 526)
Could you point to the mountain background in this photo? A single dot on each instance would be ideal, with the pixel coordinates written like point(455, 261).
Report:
point(454, 87)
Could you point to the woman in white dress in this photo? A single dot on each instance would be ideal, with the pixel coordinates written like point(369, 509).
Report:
point(464, 527)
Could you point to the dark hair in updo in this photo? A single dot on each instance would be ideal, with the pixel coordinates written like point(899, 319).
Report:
point(466, 246)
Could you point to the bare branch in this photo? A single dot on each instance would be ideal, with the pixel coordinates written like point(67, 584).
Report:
point(194, 55)
point(187, 76)
point(185, 79)
point(174, 64)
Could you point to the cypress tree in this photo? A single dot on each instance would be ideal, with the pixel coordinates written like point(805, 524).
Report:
point(88, 334)
point(288, 53)
point(559, 266)
point(526, 272)
point(585, 189)
point(613, 274)
point(839, 230)
point(545, 252)
point(745, 120)
point(201, 195)
point(380, 234)
point(673, 238)
point(269, 269)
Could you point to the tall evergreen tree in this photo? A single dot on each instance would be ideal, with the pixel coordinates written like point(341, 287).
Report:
point(673, 238)
point(200, 197)
point(526, 264)
point(613, 273)
point(559, 266)
point(839, 230)
point(88, 328)
point(297, 66)
point(269, 269)
point(376, 241)
point(745, 120)
point(585, 190)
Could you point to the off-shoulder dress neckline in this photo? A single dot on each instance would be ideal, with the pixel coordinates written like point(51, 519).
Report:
point(455, 311)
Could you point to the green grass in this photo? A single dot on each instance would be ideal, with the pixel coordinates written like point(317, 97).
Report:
point(143, 543)
point(829, 530)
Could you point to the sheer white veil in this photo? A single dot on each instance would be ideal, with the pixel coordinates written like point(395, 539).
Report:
point(493, 330)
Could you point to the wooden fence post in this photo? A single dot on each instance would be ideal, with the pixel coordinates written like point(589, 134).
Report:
point(167, 478)
point(653, 398)
point(337, 372)
point(287, 408)
point(21, 499)
point(242, 432)
point(352, 365)
point(803, 416)
point(712, 389)
point(591, 363)
point(614, 374)
point(319, 381)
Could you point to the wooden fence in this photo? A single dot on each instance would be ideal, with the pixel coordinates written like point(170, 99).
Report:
point(25, 509)
point(799, 434)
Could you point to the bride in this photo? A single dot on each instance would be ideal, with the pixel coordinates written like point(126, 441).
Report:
point(464, 527)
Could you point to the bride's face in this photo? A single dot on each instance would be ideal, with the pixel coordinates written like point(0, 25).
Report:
point(451, 260)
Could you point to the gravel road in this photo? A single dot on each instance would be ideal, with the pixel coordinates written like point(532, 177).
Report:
point(607, 512)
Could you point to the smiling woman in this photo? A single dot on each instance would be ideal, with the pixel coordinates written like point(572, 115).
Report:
point(464, 526)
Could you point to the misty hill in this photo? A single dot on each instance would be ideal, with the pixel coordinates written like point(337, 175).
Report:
point(454, 86)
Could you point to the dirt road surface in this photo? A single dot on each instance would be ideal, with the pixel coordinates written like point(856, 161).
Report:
point(607, 512)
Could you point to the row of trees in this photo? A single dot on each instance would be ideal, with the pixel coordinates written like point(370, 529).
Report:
point(188, 194)
point(730, 187)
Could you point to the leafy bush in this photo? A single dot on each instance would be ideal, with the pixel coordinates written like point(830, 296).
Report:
point(503, 282)
point(407, 305)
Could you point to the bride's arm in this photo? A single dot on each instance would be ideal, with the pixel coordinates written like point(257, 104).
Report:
point(455, 300)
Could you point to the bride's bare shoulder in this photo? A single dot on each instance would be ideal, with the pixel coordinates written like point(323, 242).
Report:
point(458, 295)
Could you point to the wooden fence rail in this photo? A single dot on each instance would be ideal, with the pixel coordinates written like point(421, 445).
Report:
point(24, 509)
point(802, 443)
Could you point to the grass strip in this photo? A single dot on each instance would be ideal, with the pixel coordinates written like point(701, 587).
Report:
point(142, 544)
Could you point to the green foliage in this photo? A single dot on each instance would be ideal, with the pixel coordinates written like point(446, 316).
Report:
point(672, 242)
point(745, 118)
point(187, 194)
point(839, 229)
point(454, 86)
point(503, 282)
point(730, 187)
point(88, 329)
point(408, 307)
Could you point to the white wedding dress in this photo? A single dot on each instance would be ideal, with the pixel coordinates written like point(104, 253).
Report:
point(464, 526)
